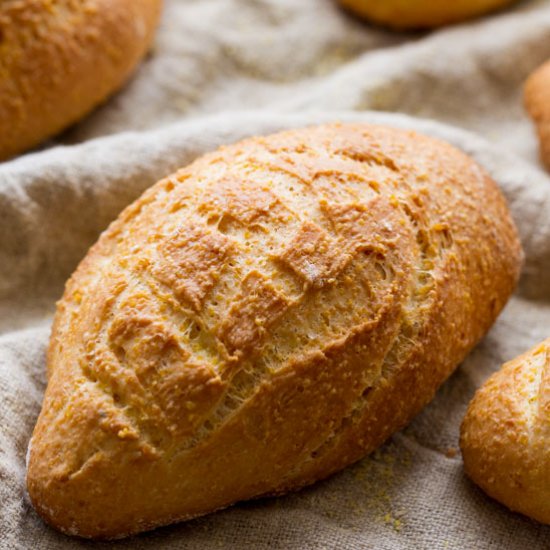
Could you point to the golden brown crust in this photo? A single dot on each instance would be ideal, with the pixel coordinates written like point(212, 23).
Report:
point(505, 436)
point(537, 102)
point(419, 14)
point(261, 319)
point(60, 58)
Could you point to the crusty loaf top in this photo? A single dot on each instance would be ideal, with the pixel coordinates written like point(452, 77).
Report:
point(252, 256)
point(323, 259)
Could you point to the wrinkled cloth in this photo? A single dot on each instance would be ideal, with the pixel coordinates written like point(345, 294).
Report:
point(221, 70)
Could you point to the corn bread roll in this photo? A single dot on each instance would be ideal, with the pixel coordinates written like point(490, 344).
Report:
point(260, 320)
point(537, 102)
point(60, 58)
point(505, 436)
point(417, 14)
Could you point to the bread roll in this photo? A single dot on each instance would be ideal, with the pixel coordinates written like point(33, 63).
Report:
point(60, 58)
point(260, 320)
point(412, 14)
point(537, 101)
point(505, 436)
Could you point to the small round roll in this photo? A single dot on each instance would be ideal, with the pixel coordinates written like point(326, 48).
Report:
point(60, 58)
point(413, 14)
point(505, 435)
point(537, 102)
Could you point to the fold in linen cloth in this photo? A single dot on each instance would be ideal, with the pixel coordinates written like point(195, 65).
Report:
point(302, 63)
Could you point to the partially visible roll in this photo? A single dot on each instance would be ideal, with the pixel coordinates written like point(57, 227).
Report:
point(412, 14)
point(60, 58)
point(505, 436)
point(537, 102)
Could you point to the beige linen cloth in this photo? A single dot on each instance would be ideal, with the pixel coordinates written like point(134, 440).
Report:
point(224, 69)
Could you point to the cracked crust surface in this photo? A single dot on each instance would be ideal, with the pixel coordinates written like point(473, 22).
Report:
point(537, 102)
point(505, 436)
point(60, 58)
point(261, 319)
point(418, 14)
